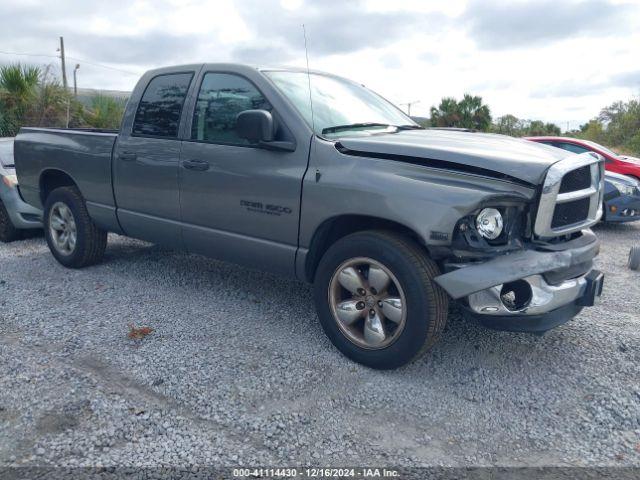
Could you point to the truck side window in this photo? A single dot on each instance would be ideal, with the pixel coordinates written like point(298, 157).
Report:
point(160, 107)
point(221, 98)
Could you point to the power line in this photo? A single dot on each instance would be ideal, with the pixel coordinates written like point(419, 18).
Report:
point(103, 66)
point(73, 58)
point(28, 54)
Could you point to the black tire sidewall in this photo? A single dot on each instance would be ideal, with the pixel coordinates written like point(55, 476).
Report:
point(634, 258)
point(66, 195)
point(8, 232)
point(416, 330)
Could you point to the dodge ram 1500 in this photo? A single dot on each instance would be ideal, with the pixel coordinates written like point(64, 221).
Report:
point(316, 177)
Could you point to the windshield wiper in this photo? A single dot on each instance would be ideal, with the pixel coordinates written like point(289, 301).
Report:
point(351, 126)
point(409, 127)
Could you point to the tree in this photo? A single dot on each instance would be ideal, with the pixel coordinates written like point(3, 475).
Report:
point(469, 112)
point(30, 96)
point(508, 125)
point(538, 128)
point(473, 113)
point(446, 115)
point(51, 106)
point(104, 112)
point(512, 125)
point(18, 91)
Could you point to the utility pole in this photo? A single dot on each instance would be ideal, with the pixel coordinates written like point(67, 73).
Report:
point(75, 81)
point(408, 104)
point(64, 68)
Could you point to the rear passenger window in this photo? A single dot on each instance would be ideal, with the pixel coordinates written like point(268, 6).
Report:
point(161, 104)
point(222, 97)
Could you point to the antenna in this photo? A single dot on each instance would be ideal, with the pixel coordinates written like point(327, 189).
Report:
point(306, 52)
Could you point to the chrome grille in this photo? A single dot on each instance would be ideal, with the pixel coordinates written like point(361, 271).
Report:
point(577, 179)
point(570, 213)
point(571, 197)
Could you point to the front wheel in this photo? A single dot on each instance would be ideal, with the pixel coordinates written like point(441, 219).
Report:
point(74, 240)
point(377, 301)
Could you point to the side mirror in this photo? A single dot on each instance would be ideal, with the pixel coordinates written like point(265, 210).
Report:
point(258, 127)
point(255, 126)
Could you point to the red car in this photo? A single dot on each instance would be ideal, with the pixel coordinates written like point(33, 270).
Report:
point(614, 163)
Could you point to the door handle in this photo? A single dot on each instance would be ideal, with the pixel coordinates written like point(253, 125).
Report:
point(197, 165)
point(128, 156)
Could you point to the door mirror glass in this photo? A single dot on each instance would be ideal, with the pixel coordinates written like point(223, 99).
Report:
point(256, 126)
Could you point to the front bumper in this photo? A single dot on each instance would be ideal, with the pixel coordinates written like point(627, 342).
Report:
point(529, 290)
point(549, 306)
point(22, 215)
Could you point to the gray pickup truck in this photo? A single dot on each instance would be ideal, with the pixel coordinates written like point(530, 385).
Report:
point(315, 177)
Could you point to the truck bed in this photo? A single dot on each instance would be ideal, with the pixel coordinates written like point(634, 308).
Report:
point(82, 154)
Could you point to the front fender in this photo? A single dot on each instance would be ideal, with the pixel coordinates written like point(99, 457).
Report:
point(426, 200)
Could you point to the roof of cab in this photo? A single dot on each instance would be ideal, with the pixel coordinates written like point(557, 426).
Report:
point(239, 67)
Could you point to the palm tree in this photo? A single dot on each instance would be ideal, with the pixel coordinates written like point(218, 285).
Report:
point(473, 113)
point(18, 84)
point(29, 96)
point(469, 112)
point(447, 113)
point(18, 92)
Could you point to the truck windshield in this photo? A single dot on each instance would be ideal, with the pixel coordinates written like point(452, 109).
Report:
point(603, 148)
point(340, 107)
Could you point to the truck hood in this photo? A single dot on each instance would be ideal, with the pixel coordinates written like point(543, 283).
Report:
point(481, 153)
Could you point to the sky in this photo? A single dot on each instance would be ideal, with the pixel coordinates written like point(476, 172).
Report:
point(553, 60)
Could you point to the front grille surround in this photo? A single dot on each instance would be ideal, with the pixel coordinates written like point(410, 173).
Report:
point(565, 186)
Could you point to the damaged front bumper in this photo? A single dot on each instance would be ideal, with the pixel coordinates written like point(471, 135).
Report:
point(533, 290)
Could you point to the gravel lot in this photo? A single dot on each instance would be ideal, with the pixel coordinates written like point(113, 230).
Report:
point(238, 372)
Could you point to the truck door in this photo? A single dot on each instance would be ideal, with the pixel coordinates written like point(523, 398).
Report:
point(240, 203)
point(146, 161)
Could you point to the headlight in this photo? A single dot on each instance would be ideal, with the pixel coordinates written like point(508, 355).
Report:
point(623, 188)
point(489, 223)
point(10, 180)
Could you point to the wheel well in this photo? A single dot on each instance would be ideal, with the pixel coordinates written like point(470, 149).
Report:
point(336, 228)
point(52, 179)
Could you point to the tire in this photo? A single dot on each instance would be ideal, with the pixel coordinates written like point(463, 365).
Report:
point(8, 233)
point(424, 303)
point(634, 258)
point(90, 241)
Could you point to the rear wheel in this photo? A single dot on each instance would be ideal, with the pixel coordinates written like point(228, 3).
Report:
point(377, 301)
point(8, 233)
point(74, 240)
point(634, 258)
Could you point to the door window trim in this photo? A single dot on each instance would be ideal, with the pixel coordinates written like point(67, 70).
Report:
point(196, 94)
point(184, 101)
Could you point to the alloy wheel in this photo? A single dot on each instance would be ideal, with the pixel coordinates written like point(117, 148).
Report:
point(367, 303)
point(62, 228)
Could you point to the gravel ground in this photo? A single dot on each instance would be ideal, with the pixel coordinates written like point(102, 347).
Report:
point(238, 372)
